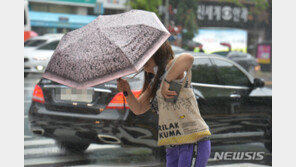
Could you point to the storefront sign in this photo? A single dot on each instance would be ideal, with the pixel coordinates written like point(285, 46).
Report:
point(63, 19)
point(264, 54)
point(222, 15)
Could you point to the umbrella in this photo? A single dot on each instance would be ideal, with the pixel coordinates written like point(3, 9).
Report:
point(110, 47)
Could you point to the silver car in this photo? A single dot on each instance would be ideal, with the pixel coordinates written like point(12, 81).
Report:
point(37, 52)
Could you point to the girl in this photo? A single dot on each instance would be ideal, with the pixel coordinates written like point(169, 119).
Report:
point(178, 155)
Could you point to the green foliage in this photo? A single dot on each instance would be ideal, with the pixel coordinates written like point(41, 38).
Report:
point(186, 17)
point(149, 5)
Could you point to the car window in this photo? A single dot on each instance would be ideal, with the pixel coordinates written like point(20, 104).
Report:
point(34, 42)
point(221, 53)
point(49, 46)
point(229, 74)
point(203, 71)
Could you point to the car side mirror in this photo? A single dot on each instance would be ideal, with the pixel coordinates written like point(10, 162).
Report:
point(258, 83)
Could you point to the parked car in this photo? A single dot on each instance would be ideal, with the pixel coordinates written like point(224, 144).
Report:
point(37, 52)
point(246, 60)
point(235, 105)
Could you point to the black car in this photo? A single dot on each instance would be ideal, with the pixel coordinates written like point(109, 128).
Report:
point(246, 60)
point(236, 106)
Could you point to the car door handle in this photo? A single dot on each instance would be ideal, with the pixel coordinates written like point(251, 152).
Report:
point(235, 95)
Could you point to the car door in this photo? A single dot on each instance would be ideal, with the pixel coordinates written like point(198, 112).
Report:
point(212, 97)
point(204, 82)
point(234, 93)
point(234, 83)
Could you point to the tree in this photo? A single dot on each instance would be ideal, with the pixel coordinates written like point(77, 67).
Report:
point(186, 17)
point(149, 5)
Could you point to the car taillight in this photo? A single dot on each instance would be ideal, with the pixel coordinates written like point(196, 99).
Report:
point(119, 99)
point(38, 95)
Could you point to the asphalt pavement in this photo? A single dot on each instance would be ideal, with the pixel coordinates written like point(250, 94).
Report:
point(41, 151)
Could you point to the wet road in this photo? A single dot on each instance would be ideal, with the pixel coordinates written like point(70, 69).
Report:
point(40, 151)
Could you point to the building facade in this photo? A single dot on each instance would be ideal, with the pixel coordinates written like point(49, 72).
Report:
point(61, 16)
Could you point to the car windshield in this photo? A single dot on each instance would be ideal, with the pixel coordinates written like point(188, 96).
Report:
point(34, 42)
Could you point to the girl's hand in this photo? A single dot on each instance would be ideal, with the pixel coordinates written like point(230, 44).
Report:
point(166, 93)
point(123, 85)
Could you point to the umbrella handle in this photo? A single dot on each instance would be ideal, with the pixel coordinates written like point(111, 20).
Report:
point(125, 93)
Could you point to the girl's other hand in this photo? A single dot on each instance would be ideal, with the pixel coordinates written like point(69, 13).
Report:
point(123, 85)
point(166, 93)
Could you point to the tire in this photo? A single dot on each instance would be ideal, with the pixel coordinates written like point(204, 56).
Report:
point(70, 147)
point(159, 153)
point(26, 74)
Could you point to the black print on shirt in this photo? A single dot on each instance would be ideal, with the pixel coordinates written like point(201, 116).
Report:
point(170, 130)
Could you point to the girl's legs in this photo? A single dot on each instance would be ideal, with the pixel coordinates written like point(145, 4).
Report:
point(182, 155)
point(203, 154)
point(172, 156)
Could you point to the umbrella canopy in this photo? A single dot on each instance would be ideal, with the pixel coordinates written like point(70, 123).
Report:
point(110, 47)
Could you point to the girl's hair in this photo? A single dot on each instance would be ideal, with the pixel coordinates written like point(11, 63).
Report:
point(161, 57)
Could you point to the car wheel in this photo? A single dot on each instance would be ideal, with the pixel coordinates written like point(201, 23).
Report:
point(159, 153)
point(72, 147)
point(26, 74)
